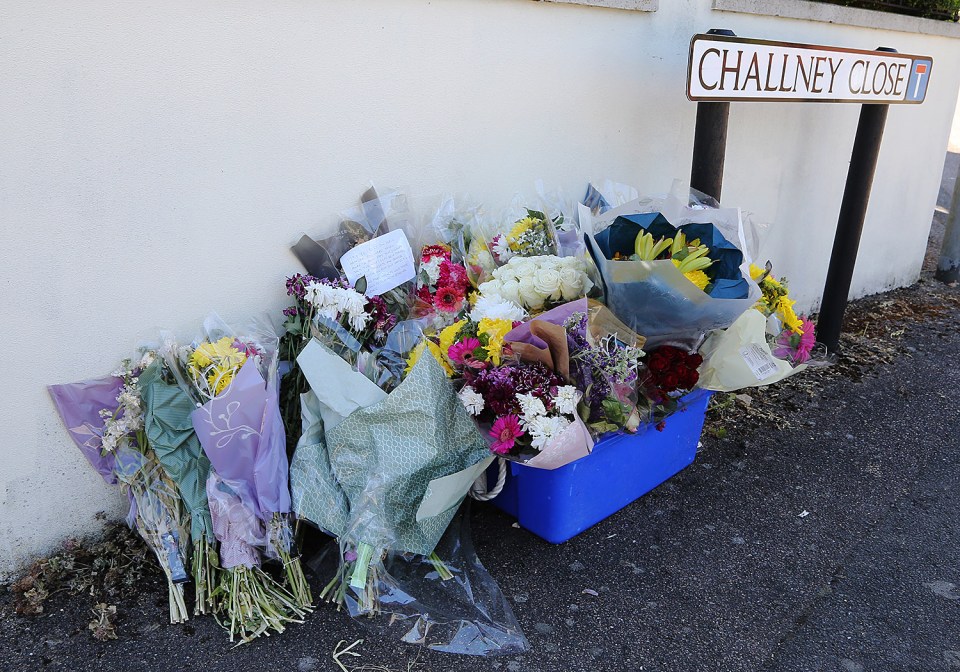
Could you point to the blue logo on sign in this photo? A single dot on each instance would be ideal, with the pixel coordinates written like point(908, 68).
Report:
point(919, 76)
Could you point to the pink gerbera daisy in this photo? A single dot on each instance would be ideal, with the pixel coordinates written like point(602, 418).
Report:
point(796, 347)
point(462, 352)
point(505, 432)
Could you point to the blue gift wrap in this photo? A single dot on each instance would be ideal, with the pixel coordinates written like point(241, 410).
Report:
point(557, 504)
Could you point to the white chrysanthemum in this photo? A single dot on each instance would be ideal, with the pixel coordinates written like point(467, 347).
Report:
point(432, 268)
point(502, 248)
point(531, 407)
point(471, 400)
point(497, 308)
point(567, 398)
point(544, 428)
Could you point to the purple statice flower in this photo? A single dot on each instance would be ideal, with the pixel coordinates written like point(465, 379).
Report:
point(292, 311)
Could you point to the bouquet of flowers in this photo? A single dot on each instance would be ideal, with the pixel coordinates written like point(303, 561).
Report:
point(762, 346)
point(442, 285)
point(384, 473)
point(237, 421)
point(170, 433)
point(671, 271)
point(537, 283)
point(530, 236)
point(108, 416)
point(604, 360)
point(527, 408)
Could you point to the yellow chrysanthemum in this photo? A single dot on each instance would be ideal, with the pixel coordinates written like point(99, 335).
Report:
point(216, 363)
point(417, 352)
point(788, 317)
point(518, 230)
point(449, 335)
point(495, 330)
point(414, 356)
point(756, 272)
point(699, 278)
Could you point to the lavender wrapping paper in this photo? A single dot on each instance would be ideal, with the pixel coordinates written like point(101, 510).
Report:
point(242, 434)
point(79, 406)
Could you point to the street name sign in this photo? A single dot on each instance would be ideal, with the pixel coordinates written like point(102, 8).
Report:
point(723, 68)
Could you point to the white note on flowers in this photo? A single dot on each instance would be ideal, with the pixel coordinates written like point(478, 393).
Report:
point(760, 361)
point(386, 262)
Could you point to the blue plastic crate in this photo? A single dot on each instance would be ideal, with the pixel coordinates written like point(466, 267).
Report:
point(558, 504)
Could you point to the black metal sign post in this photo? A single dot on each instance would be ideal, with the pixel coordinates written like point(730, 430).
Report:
point(882, 76)
point(853, 210)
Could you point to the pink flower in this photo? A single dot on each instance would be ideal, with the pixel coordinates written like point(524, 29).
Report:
point(796, 347)
point(462, 352)
point(453, 274)
point(505, 432)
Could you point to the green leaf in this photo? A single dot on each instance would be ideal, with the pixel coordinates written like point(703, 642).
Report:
point(361, 284)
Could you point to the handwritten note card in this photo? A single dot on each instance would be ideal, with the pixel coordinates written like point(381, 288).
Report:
point(386, 262)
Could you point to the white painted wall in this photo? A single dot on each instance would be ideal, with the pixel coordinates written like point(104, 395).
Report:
point(157, 159)
point(955, 130)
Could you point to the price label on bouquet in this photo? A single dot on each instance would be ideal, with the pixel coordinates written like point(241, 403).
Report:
point(738, 69)
point(760, 361)
point(385, 262)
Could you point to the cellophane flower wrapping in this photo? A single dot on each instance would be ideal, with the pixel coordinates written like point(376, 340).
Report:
point(446, 601)
point(160, 519)
point(386, 472)
point(654, 298)
point(79, 406)
point(233, 375)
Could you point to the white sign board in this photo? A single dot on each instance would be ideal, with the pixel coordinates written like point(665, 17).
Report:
point(734, 68)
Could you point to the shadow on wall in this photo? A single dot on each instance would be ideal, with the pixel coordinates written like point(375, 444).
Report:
point(948, 182)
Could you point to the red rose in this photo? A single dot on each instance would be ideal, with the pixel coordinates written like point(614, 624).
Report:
point(694, 361)
point(658, 363)
point(670, 352)
point(669, 382)
point(688, 378)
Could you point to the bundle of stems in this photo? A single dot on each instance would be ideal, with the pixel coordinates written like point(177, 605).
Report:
point(281, 539)
point(162, 523)
point(253, 604)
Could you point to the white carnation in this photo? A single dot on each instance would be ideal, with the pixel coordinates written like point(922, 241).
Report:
point(432, 268)
point(471, 400)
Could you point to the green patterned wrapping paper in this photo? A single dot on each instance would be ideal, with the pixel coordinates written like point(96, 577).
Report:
point(169, 429)
point(383, 458)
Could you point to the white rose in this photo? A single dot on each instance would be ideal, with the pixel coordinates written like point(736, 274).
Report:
point(523, 265)
point(571, 283)
point(510, 291)
point(490, 288)
point(547, 282)
point(528, 292)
